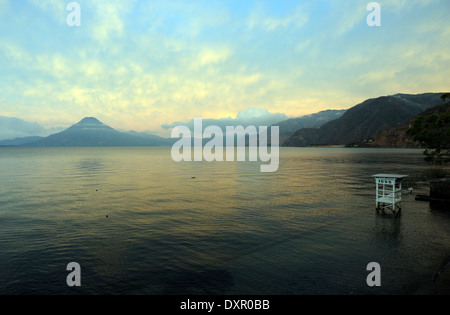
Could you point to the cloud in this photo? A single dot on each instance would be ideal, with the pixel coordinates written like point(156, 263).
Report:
point(402, 5)
point(11, 128)
point(55, 9)
point(250, 117)
point(105, 20)
point(263, 18)
point(139, 64)
point(212, 55)
point(183, 19)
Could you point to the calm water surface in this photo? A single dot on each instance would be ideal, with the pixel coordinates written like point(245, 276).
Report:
point(139, 223)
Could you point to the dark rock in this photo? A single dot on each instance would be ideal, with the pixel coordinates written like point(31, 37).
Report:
point(440, 189)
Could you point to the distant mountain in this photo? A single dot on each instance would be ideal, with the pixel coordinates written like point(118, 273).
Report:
point(19, 141)
point(396, 137)
point(366, 119)
point(290, 126)
point(90, 132)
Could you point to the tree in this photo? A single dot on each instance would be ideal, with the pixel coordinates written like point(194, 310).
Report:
point(445, 96)
point(433, 132)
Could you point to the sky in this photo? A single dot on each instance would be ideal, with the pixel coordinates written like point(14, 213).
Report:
point(143, 65)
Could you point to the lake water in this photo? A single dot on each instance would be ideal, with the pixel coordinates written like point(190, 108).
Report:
point(139, 223)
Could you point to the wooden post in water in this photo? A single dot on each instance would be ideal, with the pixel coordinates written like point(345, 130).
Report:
point(389, 192)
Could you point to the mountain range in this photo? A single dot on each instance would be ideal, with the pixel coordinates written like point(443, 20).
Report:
point(357, 125)
point(90, 132)
point(366, 119)
point(290, 126)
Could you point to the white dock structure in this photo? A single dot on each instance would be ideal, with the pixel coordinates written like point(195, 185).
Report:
point(389, 192)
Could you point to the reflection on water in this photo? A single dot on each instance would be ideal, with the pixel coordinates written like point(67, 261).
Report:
point(137, 222)
point(439, 207)
point(389, 229)
point(90, 166)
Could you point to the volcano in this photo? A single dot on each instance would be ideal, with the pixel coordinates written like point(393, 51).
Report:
point(90, 132)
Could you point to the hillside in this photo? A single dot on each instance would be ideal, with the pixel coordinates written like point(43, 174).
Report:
point(19, 141)
point(396, 137)
point(364, 120)
point(316, 120)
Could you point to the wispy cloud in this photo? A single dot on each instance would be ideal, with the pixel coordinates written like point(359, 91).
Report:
point(213, 55)
point(53, 9)
point(108, 19)
point(404, 5)
point(264, 18)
